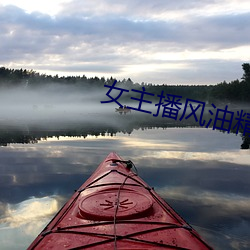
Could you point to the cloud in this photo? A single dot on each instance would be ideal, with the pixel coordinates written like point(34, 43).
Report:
point(150, 9)
point(123, 30)
point(125, 40)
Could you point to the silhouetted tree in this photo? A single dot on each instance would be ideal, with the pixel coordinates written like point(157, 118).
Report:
point(246, 75)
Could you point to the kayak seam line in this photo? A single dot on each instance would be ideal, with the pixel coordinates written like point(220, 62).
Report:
point(62, 230)
point(166, 208)
point(128, 237)
point(99, 178)
point(121, 222)
point(110, 184)
point(114, 170)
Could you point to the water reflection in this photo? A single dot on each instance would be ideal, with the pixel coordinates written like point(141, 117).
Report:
point(202, 173)
point(21, 221)
point(98, 124)
point(33, 209)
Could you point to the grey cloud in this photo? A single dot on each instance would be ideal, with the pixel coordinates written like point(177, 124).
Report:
point(223, 31)
point(83, 68)
point(203, 31)
point(207, 71)
point(134, 8)
point(98, 38)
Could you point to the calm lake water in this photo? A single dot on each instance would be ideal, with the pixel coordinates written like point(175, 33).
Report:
point(200, 172)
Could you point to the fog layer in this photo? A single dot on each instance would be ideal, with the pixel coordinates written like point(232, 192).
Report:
point(55, 102)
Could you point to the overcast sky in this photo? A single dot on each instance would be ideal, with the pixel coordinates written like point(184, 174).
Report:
point(157, 41)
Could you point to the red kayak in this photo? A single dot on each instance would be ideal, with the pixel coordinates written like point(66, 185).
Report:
point(116, 209)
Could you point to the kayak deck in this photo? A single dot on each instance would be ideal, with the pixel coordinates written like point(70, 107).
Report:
point(116, 209)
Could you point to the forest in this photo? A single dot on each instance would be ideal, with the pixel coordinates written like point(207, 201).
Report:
point(237, 91)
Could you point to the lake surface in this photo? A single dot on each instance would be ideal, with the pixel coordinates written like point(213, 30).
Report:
point(203, 173)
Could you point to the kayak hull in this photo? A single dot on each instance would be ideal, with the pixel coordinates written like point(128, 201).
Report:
point(116, 209)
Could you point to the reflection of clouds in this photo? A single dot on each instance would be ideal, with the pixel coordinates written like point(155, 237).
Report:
point(228, 203)
point(22, 222)
point(2, 209)
point(187, 139)
point(151, 139)
point(29, 212)
point(234, 156)
point(14, 178)
point(196, 144)
point(228, 239)
point(150, 144)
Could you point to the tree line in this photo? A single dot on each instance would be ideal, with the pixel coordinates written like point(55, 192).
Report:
point(236, 91)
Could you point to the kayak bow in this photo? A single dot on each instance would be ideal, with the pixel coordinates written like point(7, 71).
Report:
point(116, 209)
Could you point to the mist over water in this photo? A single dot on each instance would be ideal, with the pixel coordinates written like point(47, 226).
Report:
point(58, 102)
point(51, 103)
